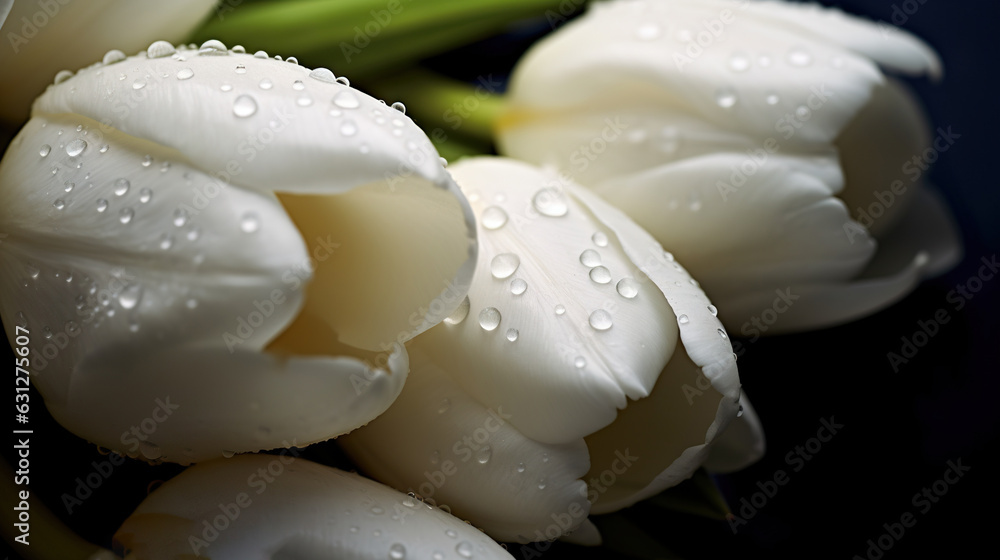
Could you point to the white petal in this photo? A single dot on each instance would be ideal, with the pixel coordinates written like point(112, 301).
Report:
point(546, 336)
point(927, 227)
point(741, 445)
point(43, 39)
point(401, 202)
point(187, 404)
point(439, 442)
point(286, 507)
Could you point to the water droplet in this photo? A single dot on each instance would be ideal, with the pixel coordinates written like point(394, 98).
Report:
point(512, 334)
point(147, 160)
point(260, 54)
point(150, 450)
point(494, 217)
point(130, 295)
point(22, 320)
point(180, 217)
point(354, 529)
point(764, 61)
point(600, 274)
point(460, 313)
point(346, 100)
point(772, 99)
point(104, 149)
point(160, 49)
point(72, 328)
point(799, 57)
point(377, 510)
point(627, 288)
point(342, 80)
point(489, 318)
point(121, 187)
point(212, 45)
point(725, 98)
point(226, 87)
point(550, 202)
point(541, 484)
point(166, 242)
point(399, 107)
point(76, 147)
point(304, 101)
point(600, 239)
point(518, 286)
point(265, 83)
point(292, 60)
point(193, 304)
point(397, 552)
point(348, 128)
point(193, 235)
point(244, 106)
point(590, 258)
point(297, 85)
point(228, 454)
point(504, 264)
point(62, 76)
point(239, 49)
point(249, 223)
point(739, 63)
point(126, 215)
point(113, 56)
point(600, 320)
point(722, 334)
point(185, 74)
point(648, 31)
point(444, 405)
point(683, 319)
point(47, 332)
point(484, 454)
point(713, 310)
point(241, 69)
point(560, 309)
point(802, 112)
point(139, 83)
point(44, 150)
point(59, 204)
point(145, 195)
point(464, 549)
point(580, 362)
point(102, 205)
point(739, 413)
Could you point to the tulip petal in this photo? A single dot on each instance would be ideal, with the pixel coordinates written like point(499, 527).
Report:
point(438, 441)
point(886, 44)
point(549, 335)
point(741, 445)
point(207, 402)
point(287, 507)
point(928, 227)
point(242, 119)
point(113, 253)
point(45, 38)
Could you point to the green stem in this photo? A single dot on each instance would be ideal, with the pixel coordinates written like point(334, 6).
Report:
point(49, 537)
point(353, 27)
point(445, 107)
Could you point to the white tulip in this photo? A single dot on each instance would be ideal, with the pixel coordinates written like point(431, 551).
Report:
point(749, 137)
point(43, 37)
point(543, 380)
point(260, 507)
point(213, 251)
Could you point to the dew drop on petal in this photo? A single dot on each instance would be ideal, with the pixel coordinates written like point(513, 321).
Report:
point(444, 405)
point(494, 217)
point(739, 413)
point(44, 150)
point(241, 69)
point(397, 552)
point(600, 239)
point(249, 223)
point(460, 313)
point(150, 450)
point(560, 309)
point(265, 83)
point(160, 49)
point(725, 98)
point(346, 100)
point(600, 320)
point(102, 205)
point(129, 297)
point(627, 288)
point(260, 54)
point(59, 204)
point(512, 334)
point(244, 106)
point(76, 147)
point(739, 63)
point(104, 149)
point(518, 286)
point(799, 57)
point(550, 202)
point(304, 101)
point(484, 455)
point(504, 264)
point(166, 242)
point(138, 84)
point(147, 160)
point(113, 56)
point(348, 128)
point(590, 258)
point(399, 107)
point(683, 319)
point(489, 318)
point(68, 187)
point(323, 75)
point(464, 549)
point(62, 76)
point(521, 467)
point(713, 310)
point(772, 99)
point(125, 216)
point(185, 74)
point(297, 85)
point(121, 187)
point(580, 362)
point(226, 87)
point(722, 334)
point(145, 195)
point(648, 31)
